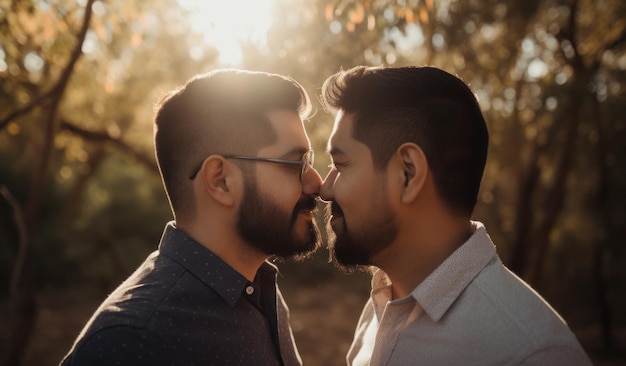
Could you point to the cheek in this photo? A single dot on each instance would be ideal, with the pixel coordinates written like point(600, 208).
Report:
point(283, 192)
point(352, 194)
point(285, 196)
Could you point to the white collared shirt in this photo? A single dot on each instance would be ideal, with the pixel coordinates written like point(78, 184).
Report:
point(470, 311)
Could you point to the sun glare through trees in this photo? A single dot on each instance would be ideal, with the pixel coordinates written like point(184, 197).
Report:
point(225, 24)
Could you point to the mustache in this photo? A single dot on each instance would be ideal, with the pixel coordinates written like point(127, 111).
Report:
point(333, 209)
point(306, 204)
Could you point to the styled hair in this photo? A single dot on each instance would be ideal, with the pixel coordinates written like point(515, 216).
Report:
point(221, 112)
point(426, 106)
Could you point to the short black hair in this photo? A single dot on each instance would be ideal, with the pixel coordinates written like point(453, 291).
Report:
point(221, 112)
point(423, 105)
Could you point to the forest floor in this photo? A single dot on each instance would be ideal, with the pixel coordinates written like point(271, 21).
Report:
point(323, 317)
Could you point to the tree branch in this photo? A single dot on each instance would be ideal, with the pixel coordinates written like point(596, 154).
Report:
point(569, 34)
point(99, 136)
point(621, 39)
point(59, 86)
point(23, 304)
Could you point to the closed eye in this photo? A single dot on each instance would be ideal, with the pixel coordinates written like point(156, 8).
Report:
point(336, 166)
point(292, 166)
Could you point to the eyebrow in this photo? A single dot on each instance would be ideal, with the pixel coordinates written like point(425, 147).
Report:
point(334, 151)
point(295, 151)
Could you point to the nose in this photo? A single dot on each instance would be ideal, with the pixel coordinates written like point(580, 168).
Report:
point(311, 182)
point(326, 190)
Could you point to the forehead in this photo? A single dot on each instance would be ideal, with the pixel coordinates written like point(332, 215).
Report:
point(290, 132)
point(341, 136)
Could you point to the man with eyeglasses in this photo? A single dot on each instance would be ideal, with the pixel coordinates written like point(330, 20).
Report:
point(236, 164)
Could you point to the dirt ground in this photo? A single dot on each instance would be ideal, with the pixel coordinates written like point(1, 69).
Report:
point(323, 318)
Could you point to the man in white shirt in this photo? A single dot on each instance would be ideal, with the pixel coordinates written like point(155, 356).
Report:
point(408, 148)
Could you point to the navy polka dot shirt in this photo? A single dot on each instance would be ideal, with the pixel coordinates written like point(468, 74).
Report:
point(185, 306)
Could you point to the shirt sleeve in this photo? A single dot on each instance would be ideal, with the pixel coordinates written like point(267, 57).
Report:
point(558, 355)
point(120, 345)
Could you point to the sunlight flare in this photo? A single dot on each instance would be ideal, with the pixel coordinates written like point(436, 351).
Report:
point(225, 24)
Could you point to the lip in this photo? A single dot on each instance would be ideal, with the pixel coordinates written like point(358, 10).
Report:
point(337, 224)
point(335, 218)
point(306, 213)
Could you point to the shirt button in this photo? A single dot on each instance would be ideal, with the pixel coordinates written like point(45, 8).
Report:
point(249, 290)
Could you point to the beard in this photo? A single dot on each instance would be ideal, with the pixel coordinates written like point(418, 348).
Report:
point(354, 248)
point(270, 229)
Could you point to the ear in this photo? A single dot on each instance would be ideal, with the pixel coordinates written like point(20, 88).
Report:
point(218, 180)
point(414, 165)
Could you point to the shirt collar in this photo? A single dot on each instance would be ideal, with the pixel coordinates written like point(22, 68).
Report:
point(206, 266)
point(444, 285)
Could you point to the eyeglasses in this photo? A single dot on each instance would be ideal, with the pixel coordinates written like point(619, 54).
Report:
point(305, 163)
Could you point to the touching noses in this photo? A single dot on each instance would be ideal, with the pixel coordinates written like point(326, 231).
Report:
point(311, 182)
point(326, 191)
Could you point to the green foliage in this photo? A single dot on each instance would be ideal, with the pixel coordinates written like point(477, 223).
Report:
point(129, 208)
point(97, 219)
point(552, 201)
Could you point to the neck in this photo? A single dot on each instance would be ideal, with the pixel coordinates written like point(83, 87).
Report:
point(227, 245)
point(418, 251)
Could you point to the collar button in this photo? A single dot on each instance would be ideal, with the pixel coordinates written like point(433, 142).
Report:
point(249, 290)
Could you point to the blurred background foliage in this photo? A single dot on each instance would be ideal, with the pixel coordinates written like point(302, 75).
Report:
point(82, 204)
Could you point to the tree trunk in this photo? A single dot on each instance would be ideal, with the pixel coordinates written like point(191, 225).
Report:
point(23, 306)
point(555, 197)
point(75, 197)
point(524, 218)
point(602, 249)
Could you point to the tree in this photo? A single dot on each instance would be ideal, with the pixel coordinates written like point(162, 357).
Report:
point(74, 77)
point(78, 80)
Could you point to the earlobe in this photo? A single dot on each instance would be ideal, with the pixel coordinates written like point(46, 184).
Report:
point(216, 180)
point(415, 169)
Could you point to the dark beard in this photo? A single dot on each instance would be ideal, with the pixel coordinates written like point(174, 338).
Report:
point(354, 249)
point(267, 227)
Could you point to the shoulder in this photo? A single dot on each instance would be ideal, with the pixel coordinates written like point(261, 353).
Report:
point(500, 289)
point(511, 308)
point(558, 355)
point(135, 302)
point(121, 345)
